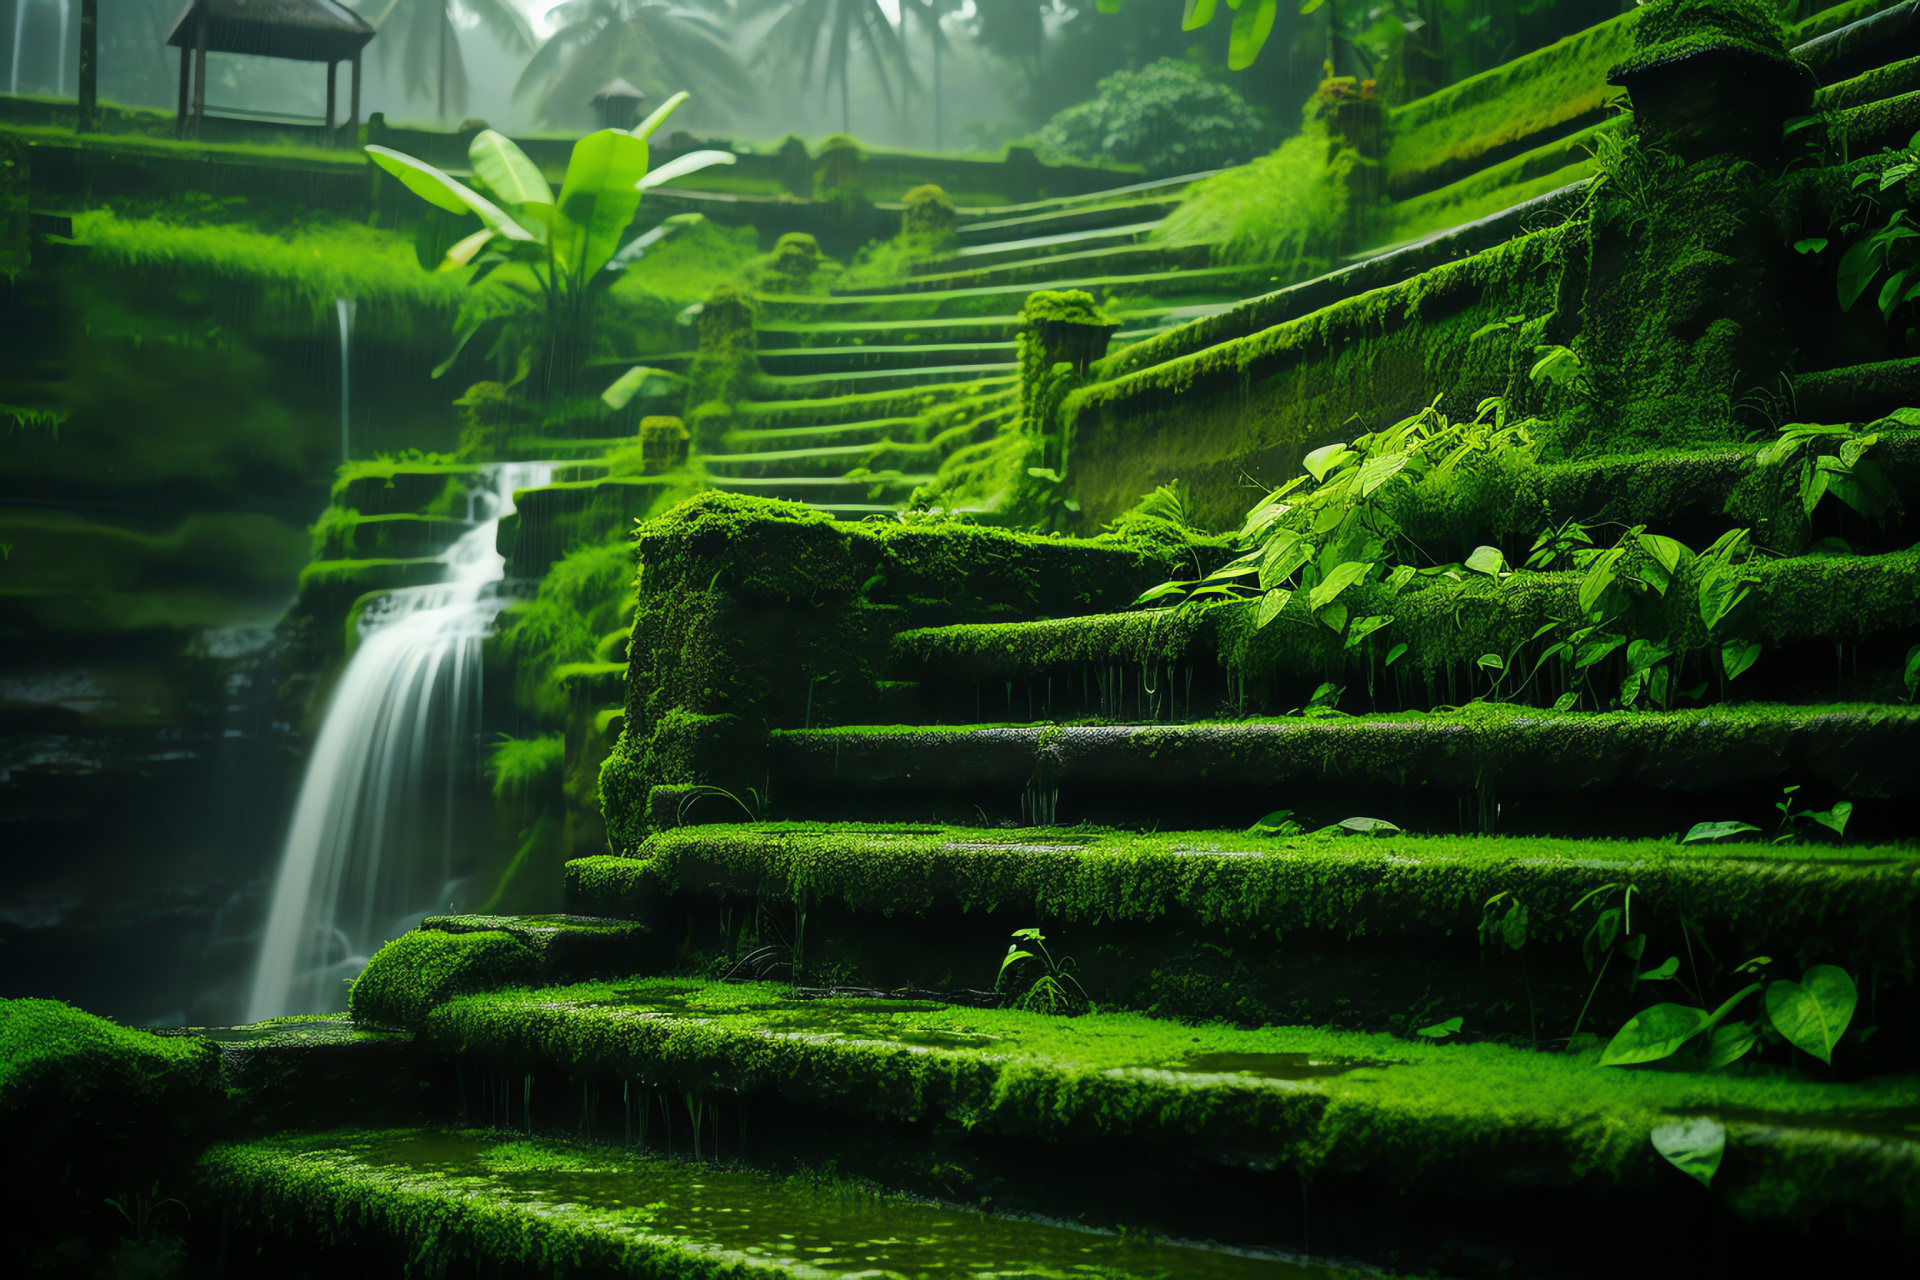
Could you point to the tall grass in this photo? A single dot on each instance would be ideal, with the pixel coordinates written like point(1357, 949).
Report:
point(1288, 209)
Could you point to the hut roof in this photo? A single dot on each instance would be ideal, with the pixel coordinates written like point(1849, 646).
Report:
point(304, 30)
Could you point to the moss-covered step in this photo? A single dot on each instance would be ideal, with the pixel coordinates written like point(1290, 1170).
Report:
point(429, 1199)
point(549, 521)
point(1330, 928)
point(879, 488)
point(827, 435)
point(1486, 767)
point(1148, 209)
point(1391, 267)
point(1875, 32)
point(391, 488)
point(351, 535)
point(878, 455)
point(1212, 284)
point(568, 947)
point(869, 405)
point(853, 382)
point(1876, 85)
point(895, 332)
point(1450, 1125)
point(1035, 242)
point(857, 357)
point(1073, 270)
point(1828, 627)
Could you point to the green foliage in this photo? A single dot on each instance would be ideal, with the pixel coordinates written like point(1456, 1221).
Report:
point(1170, 117)
point(1694, 1147)
point(525, 770)
point(1051, 988)
point(585, 595)
point(560, 254)
point(1288, 208)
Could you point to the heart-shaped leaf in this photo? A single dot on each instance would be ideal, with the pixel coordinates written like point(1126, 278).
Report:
point(1736, 657)
point(1694, 1147)
point(1487, 560)
point(1368, 826)
point(1813, 1013)
point(1270, 606)
point(1835, 819)
point(1654, 1034)
point(1730, 1042)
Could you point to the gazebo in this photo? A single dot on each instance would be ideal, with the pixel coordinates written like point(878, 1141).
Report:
point(300, 30)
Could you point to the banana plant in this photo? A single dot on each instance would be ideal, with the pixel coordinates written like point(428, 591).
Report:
point(559, 254)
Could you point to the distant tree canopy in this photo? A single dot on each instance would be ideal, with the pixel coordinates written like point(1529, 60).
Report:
point(658, 47)
point(1172, 117)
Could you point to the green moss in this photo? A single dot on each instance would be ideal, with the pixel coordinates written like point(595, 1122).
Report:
point(1414, 1115)
point(1441, 136)
point(587, 594)
point(1669, 30)
point(1846, 904)
point(418, 970)
point(434, 1199)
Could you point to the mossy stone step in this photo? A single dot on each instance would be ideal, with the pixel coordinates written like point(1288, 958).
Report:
point(1085, 219)
point(1877, 85)
point(897, 332)
point(1800, 610)
point(400, 536)
point(1423, 1119)
point(373, 488)
point(827, 385)
point(837, 460)
point(1488, 767)
point(815, 489)
point(1332, 928)
point(551, 1207)
point(1211, 284)
point(855, 357)
point(970, 256)
point(568, 947)
point(1074, 270)
point(826, 435)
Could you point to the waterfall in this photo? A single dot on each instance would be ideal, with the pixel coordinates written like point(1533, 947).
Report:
point(19, 30)
point(369, 852)
point(343, 307)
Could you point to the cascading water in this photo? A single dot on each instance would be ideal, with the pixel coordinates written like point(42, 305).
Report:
point(343, 309)
point(369, 852)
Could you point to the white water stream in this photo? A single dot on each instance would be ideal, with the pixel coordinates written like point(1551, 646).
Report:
point(369, 852)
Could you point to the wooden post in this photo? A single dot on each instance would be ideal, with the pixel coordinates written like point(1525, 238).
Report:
point(333, 77)
point(186, 76)
point(353, 104)
point(89, 64)
point(199, 70)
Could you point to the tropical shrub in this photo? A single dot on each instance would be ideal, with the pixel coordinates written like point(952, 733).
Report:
point(1170, 117)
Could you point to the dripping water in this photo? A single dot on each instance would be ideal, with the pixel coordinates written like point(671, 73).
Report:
point(367, 854)
point(343, 308)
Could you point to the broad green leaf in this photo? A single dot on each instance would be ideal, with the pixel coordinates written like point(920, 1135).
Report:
point(1328, 589)
point(1164, 590)
point(1310, 5)
point(1566, 702)
point(1643, 654)
point(1694, 1147)
point(1813, 1013)
point(1895, 174)
point(1198, 14)
point(681, 166)
point(1014, 955)
point(1599, 577)
point(1333, 617)
point(1399, 651)
point(1704, 832)
point(1593, 652)
point(443, 192)
point(1270, 606)
point(628, 384)
point(1251, 27)
point(1813, 245)
point(461, 254)
point(1368, 826)
point(1910, 679)
point(1722, 587)
point(1835, 819)
point(1275, 823)
point(1736, 657)
point(1375, 472)
point(1324, 459)
point(505, 170)
point(598, 200)
point(1890, 294)
point(1667, 552)
point(1491, 662)
point(1907, 417)
point(1513, 929)
point(1858, 266)
point(1487, 560)
point(1364, 627)
point(1662, 973)
point(1108, 6)
point(645, 128)
point(1397, 580)
point(1283, 557)
point(1654, 1034)
point(1730, 1042)
point(1441, 1030)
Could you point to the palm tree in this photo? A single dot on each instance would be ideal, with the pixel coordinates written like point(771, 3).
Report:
point(799, 36)
point(430, 51)
point(648, 42)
